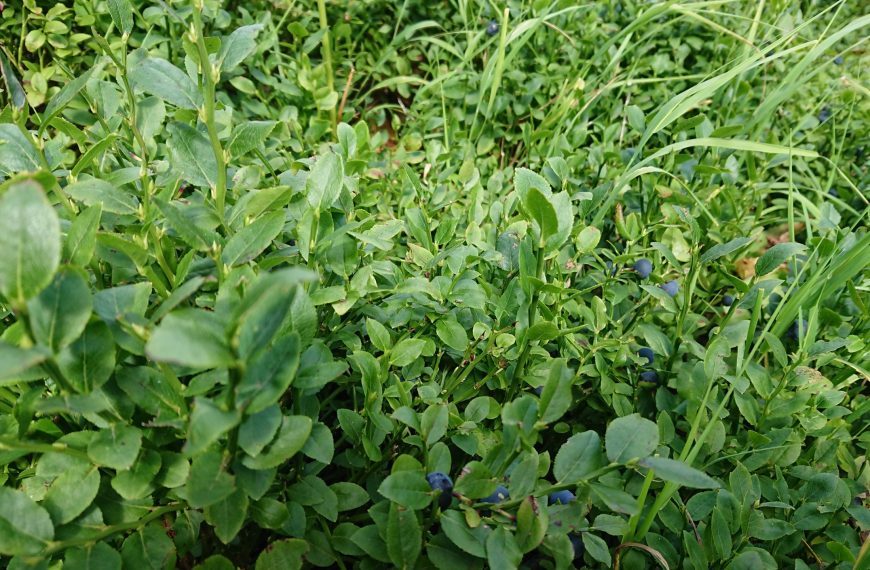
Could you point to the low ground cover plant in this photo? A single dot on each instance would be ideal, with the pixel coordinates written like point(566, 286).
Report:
point(463, 285)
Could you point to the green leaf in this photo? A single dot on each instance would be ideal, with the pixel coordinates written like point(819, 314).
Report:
point(404, 537)
point(776, 255)
point(630, 437)
point(25, 527)
point(578, 457)
point(122, 15)
point(190, 337)
point(680, 473)
point(452, 333)
point(378, 334)
point(11, 85)
point(17, 153)
point(754, 559)
point(588, 239)
point(265, 309)
point(96, 192)
point(236, 47)
point(88, 362)
point(768, 529)
point(72, 484)
point(543, 330)
point(258, 430)
point(721, 532)
point(350, 495)
point(715, 365)
point(208, 481)
point(189, 224)
point(208, 423)
point(249, 135)
point(228, 515)
point(251, 240)
point(561, 203)
point(433, 424)
point(158, 77)
point(408, 488)
point(65, 96)
point(282, 555)
point(215, 562)
point(191, 155)
point(475, 481)
point(597, 548)
point(269, 376)
point(59, 314)
point(471, 540)
point(290, 440)
point(98, 556)
point(324, 181)
point(556, 395)
point(635, 118)
point(723, 249)
point(406, 351)
point(148, 548)
point(116, 446)
point(81, 240)
point(541, 210)
point(501, 549)
point(138, 481)
point(532, 523)
point(29, 242)
point(14, 361)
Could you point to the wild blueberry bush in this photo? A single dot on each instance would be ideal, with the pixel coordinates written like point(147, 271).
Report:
point(434, 285)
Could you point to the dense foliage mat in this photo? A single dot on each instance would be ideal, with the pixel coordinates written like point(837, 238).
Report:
point(434, 284)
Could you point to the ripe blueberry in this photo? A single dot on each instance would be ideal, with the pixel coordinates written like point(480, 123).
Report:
point(798, 328)
point(561, 497)
point(577, 543)
point(727, 300)
point(643, 267)
point(439, 481)
point(838, 60)
point(671, 287)
point(610, 267)
point(500, 494)
point(492, 28)
point(649, 376)
point(832, 192)
point(773, 302)
point(539, 390)
point(824, 114)
point(647, 353)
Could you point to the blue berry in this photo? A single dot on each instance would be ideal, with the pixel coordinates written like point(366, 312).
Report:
point(798, 328)
point(579, 547)
point(561, 497)
point(492, 28)
point(671, 288)
point(539, 390)
point(832, 192)
point(610, 267)
point(439, 481)
point(824, 114)
point(773, 302)
point(727, 300)
point(649, 376)
point(643, 267)
point(647, 353)
point(838, 60)
point(500, 494)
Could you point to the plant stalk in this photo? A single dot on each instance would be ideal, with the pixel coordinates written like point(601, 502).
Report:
point(210, 75)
